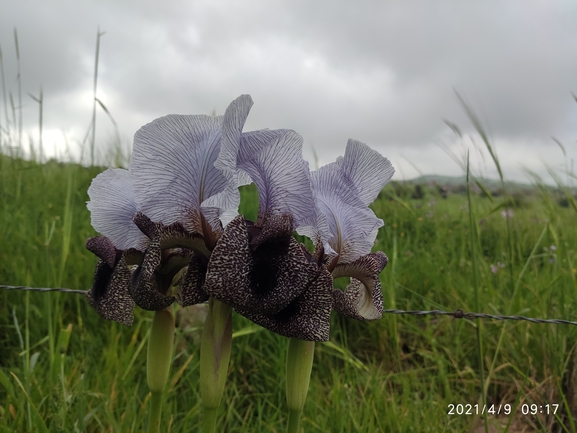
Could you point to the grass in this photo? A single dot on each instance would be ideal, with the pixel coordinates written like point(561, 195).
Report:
point(65, 369)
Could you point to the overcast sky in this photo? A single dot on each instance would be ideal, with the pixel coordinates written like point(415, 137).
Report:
point(384, 73)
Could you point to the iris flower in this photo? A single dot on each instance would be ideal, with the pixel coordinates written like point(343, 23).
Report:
point(348, 228)
point(112, 207)
point(266, 275)
point(258, 267)
point(161, 218)
point(345, 232)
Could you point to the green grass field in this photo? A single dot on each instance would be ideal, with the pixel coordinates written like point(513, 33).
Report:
point(63, 368)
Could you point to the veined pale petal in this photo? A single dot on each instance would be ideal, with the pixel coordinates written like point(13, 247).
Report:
point(228, 200)
point(173, 170)
point(368, 170)
point(273, 160)
point(112, 205)
point(234, 119)
point(349, 226)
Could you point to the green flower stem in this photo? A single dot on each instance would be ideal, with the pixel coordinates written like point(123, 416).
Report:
point(294, 421)
point(158, 362)
point(155, 410)
point(215, 350)
point(299, 365)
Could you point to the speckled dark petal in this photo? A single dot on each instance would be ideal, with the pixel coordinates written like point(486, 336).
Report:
point(109, 294)
point(264, 276)
point(190, 289)
point(307, 317)
point(172, 236)
point(277, 229)
point(363, 297)
point(148, 287)
point(103, 248)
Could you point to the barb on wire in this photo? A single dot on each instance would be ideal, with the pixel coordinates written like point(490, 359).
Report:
point(457, 314)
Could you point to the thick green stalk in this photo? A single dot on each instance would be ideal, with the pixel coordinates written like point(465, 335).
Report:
point(299, 365)
point(158, 362)
point(215, 349)
point(155, 411)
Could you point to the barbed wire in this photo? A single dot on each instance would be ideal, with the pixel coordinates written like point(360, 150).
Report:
point(457, 314)
point(43, 289)
point(460, 314)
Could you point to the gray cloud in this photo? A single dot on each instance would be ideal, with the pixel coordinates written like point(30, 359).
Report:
point(381, 72)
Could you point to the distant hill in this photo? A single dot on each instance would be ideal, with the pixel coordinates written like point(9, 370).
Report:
point(455, 181)
point(449, 185)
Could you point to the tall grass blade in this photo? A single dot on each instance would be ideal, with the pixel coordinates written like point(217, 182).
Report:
point(5, 101)
point(40, 102)
point(92, 143)
point(39, 424)
point(19, 80)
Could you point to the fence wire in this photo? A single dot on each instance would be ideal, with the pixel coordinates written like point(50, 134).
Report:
point(457, 314)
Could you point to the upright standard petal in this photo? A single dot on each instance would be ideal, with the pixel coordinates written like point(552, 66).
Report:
point(348, 226)
point(173, 166)
point(343, 190)
point(112, 205)
point(225, 204)
point(368, 170)
point(273, 160)
point(234, 119)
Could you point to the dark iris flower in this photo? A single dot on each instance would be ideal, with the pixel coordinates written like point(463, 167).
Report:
point(265, 274)
point(258, 267)
point(348, 228)
point(112, 206)
point(161, 219)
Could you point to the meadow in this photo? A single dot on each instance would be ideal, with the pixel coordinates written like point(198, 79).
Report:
point(63, 368)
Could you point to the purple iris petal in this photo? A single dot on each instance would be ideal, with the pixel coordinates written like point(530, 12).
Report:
point(112, 205)
point(273, 160)
point(350, 227)
point(171, 249)
point(343, 191)
point(368, 170)
point(148, 288)
point(173, 166)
